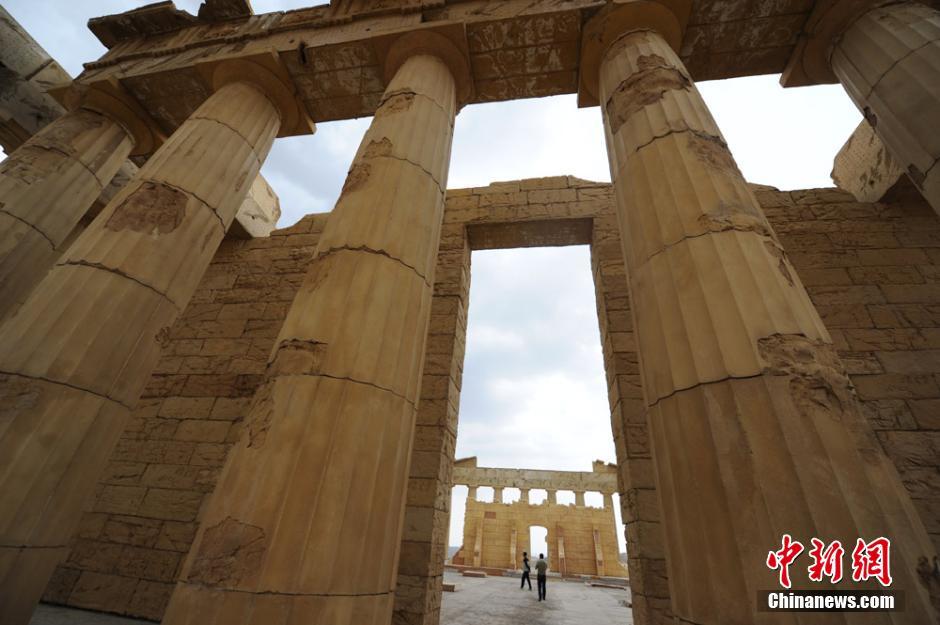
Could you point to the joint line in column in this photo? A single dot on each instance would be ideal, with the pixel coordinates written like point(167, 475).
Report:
point(67, 385)
point(118, 272)
point(370, 250)
point(41, 233)
point(345, 379)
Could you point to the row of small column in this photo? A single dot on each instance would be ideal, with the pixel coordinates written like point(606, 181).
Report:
point(551, 496)
point(306, 518)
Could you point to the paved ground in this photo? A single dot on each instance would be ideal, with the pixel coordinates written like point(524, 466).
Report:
point(55, 615)
point(477, 601)
point(498, 601)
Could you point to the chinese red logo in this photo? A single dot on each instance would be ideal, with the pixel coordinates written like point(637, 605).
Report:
point(784, 558)
point(870, 560)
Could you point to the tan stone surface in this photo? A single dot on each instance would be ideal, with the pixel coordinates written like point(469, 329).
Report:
point(889, 63)
point(863, 166)
point(590, 536)
point(337, 407)
point(83, 346)
point(851, 256)
point(45, 195)
point(46, 186)
point(518, 49)
point(603, 477)
point(732, 349)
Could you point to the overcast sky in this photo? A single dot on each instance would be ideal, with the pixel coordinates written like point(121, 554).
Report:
point(534, 393)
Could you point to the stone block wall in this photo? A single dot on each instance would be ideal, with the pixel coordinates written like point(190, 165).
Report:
point(872, 269)
point(576, 523)
point(639, 505)
point(427, 509)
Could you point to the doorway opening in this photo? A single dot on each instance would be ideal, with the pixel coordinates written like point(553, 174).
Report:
point(538, 543)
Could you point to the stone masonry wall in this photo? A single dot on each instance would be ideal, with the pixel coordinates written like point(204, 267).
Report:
point(872, 269)
point(575, 523)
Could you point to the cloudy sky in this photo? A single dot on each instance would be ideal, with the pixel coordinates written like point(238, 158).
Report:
point(534, 392)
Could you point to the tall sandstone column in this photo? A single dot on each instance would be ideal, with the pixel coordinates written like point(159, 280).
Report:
point(305, 523)
point(755, 428)
point(48, 183)
point(78, 353)
point(888, 60)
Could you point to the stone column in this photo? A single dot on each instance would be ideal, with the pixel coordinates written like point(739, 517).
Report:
point(888, 60)
point(524, 495)
point(755, 428)
point(306, 518)
point(608, 501)
point(471, 493)
point(79, 351)
point(497, 494)
point(579, 497)
point(551, 496)
point(46, 186)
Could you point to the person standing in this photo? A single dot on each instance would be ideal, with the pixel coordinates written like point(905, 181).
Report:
point(525, 571)
point(541, 568)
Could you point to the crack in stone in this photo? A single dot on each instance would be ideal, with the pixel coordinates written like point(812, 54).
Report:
point(67, 385)
point(118, 272)
point(370, 250)
point(347, 379)
point(274, 593)
point(716, 224)
point(33, 227)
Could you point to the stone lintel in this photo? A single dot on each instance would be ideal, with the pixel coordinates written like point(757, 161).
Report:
point(602, 479)
point(334, 55)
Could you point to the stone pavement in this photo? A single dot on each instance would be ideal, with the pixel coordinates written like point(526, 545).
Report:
point(498, 601)
point(477, 601)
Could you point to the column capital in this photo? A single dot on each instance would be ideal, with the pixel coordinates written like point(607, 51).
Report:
point(266, 72)
point(109, 98)
point(809, 62)
point(447, 43)
point(618, 18)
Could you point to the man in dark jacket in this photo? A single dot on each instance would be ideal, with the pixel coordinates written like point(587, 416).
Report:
point(525, 571)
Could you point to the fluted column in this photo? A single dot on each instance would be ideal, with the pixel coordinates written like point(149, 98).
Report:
point(46, 185)
point(305, 523)
point(888, 60)
point(79, 351)
point(579, 497)
point(755, 428)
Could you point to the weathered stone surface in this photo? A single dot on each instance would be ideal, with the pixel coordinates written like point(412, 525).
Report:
point(889, 63)
point(732, 351)
point(496, 534)
point(337, 407)
point(123, 283)
point(863, 166)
